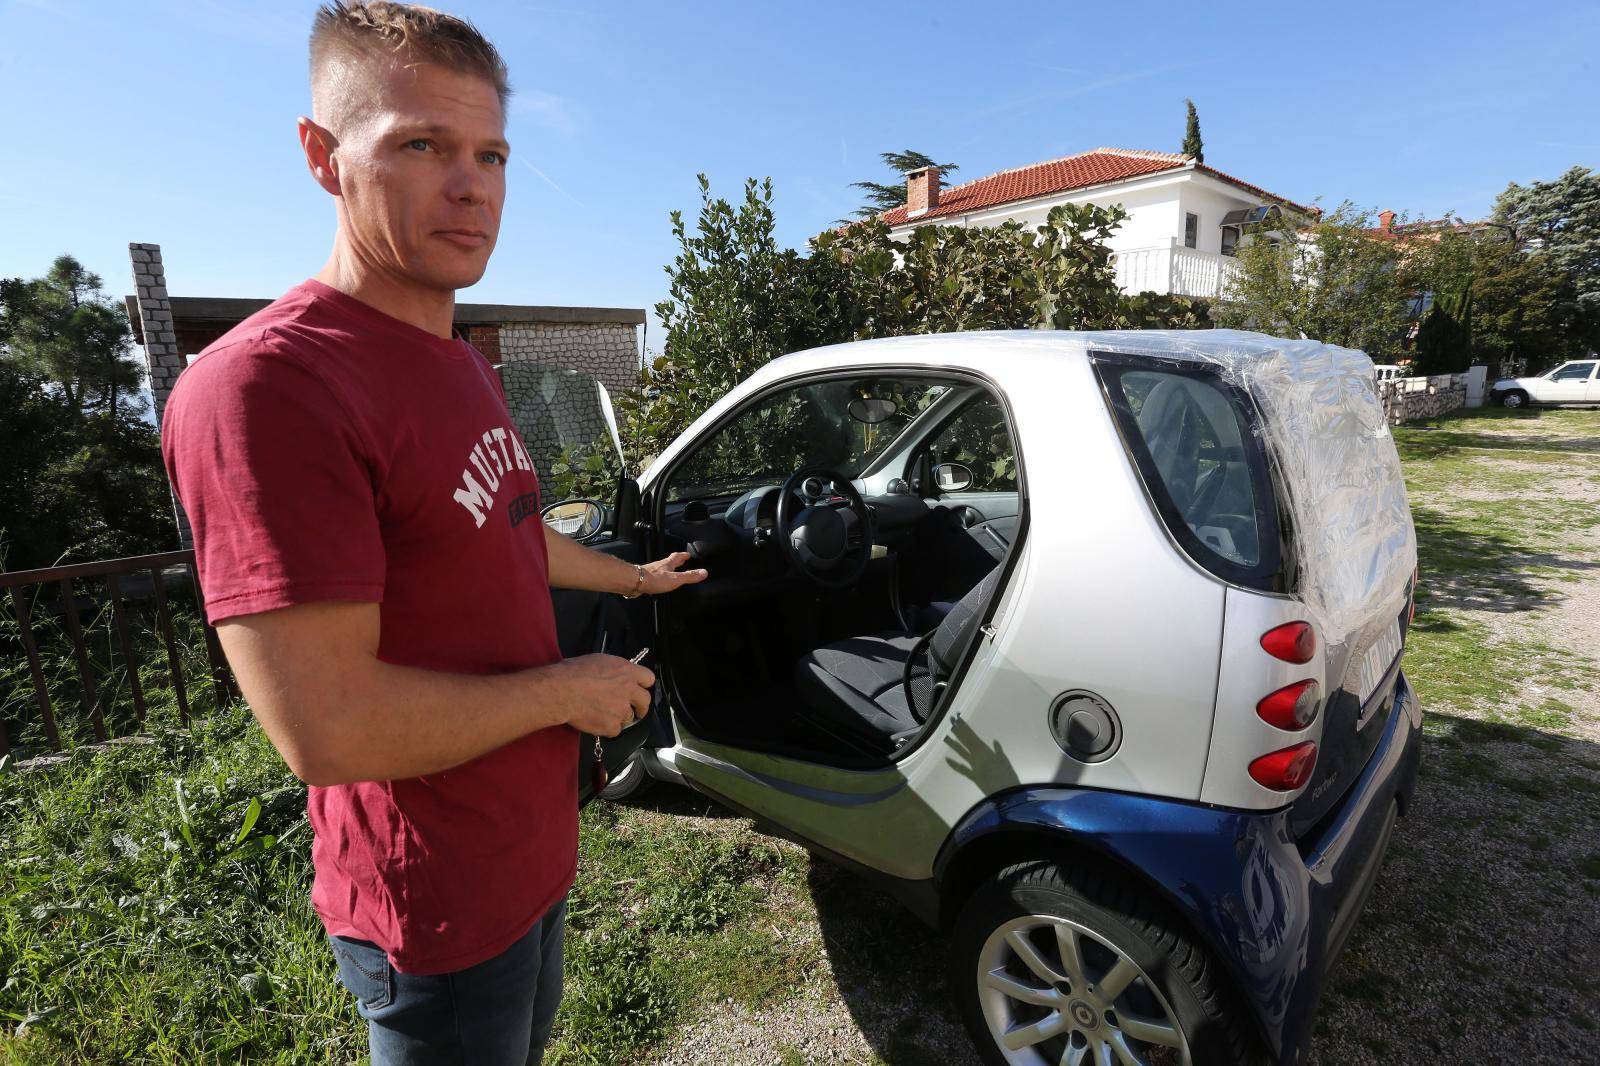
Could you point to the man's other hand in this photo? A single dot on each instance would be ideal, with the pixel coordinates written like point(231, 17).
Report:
point(607, 693)
point(663, 575)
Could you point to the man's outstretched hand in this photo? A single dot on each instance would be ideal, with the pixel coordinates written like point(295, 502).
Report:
point(663, 575)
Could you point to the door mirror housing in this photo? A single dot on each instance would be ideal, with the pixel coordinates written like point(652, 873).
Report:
point(952, 477)
point(578, 519)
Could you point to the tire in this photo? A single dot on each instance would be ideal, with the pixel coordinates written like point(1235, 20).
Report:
point(1514, 399)
point(630, 782)
point(1174, 1003)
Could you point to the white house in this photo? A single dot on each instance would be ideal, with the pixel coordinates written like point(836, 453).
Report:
point(1184, 219)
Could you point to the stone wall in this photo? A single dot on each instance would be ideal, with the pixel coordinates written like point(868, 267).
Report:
point(608, 350)
point(1405, 399)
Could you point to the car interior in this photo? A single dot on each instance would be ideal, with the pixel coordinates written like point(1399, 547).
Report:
point(854, 530)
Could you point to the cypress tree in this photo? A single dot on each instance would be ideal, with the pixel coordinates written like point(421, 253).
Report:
point(1192, 145)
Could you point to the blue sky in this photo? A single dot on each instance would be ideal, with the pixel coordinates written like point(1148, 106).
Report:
point(1422, 108)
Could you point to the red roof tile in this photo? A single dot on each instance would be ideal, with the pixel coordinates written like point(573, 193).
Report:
point(1085, 169)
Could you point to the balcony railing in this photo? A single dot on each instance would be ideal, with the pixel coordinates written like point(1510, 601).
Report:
point(93, 634)
point(1169, 268)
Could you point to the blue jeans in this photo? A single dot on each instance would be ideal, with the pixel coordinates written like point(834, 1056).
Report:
point(498, 1013)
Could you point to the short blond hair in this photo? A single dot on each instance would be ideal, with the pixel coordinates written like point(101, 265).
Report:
point(410, 32)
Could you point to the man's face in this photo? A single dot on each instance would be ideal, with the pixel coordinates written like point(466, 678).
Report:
point(422, 175)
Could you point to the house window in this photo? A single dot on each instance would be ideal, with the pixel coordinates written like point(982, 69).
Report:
point(1230, 240)
point(1191, 230)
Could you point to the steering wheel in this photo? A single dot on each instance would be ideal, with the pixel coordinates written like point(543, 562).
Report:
point(828, 545)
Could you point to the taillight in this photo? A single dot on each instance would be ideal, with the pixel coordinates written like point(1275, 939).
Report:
point(1291, 707)
point(1292, 642)
point(1416, 576)
point(1286, 770)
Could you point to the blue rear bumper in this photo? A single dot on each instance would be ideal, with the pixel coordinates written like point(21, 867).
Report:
point(1275, 911)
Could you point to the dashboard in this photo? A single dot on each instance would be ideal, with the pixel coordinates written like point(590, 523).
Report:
point(716, 529)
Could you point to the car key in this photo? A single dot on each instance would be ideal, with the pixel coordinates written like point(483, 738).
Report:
point(597, 769)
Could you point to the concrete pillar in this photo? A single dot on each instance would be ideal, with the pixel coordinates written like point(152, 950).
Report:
point(161, 355)
point(1477, 378)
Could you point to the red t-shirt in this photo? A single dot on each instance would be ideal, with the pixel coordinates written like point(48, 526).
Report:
point(326, 451)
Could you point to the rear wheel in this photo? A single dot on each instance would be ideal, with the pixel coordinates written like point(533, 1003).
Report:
point(1515, 398)
point(1056, 965)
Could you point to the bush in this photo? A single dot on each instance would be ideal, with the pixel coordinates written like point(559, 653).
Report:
point(737, 300)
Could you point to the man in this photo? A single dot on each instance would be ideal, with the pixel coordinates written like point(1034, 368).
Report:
point(349, 468)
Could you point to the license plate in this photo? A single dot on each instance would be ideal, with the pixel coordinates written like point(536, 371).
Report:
point(1375, 662)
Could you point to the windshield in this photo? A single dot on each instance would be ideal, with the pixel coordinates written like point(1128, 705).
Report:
point(841, 423)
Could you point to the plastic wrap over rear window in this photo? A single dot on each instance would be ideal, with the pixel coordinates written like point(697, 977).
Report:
point(1327, 441)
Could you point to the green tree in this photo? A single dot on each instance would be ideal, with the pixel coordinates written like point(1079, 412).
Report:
point(1562, 219)
point(881, 197)
point(80, 467)
point(730, 308)
point(737, 300)
point(1444, 336)
point(1523, 305)
point(63, 327)
point(942, 278)
point(1193, 146)
point(1524, 309)
point(1334, 280)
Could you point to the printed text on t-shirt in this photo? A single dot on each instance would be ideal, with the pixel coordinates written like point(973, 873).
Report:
point(492, 458)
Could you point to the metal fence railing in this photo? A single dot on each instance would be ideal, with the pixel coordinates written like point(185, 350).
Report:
point(81, 647)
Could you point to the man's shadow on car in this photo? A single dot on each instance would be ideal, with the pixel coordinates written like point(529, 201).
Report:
point(892, 970)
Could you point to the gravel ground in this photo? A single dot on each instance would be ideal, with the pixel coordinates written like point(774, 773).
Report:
point(1480, 941)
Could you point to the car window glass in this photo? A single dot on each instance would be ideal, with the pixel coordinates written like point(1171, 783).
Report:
point(565, 421)
point(979, 441)
point(1194, 439)
point(1573, 372)
point(806, 425)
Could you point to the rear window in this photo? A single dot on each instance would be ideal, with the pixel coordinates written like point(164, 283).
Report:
point(1190, 435)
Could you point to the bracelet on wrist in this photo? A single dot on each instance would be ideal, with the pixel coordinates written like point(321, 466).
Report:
point(638, 583)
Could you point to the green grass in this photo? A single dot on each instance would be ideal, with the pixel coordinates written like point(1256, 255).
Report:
point(134, 927)
point(660, 921)
point(1495, 537)
point(141, 923)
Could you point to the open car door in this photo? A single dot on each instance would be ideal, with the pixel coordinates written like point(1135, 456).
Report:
point(569, 430)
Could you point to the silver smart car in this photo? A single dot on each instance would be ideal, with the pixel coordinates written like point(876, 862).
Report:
point(1086, 646)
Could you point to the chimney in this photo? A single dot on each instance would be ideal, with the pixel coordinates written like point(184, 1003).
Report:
point(1386, 222)
point(922, 191)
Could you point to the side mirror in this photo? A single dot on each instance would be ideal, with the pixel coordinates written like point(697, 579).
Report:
point(578, 519)
point(952, 477)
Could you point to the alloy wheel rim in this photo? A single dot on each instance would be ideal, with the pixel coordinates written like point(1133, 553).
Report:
point(625, 772)
point(1056, 993)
